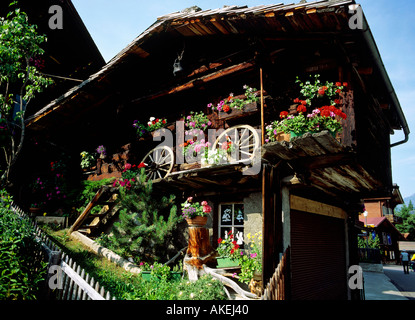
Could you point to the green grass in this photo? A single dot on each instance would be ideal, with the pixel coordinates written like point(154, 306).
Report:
point(125, 285)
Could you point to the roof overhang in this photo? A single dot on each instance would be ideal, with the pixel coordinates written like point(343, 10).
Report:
point(277, 22)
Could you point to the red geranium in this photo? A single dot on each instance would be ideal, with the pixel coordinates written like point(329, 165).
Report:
point(322, 90)
point(301, 108)
point(226, 108)
point(325, 113)
point(283, 114)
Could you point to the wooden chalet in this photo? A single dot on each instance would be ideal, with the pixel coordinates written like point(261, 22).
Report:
point(308, 192)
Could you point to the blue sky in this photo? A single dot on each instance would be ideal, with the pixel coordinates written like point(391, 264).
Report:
point(114, 24)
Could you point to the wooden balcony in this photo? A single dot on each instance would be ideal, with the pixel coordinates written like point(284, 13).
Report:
point(323, 162)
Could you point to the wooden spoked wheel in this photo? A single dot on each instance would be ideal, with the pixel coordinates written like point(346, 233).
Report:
point(245, 142)
point(159, 162)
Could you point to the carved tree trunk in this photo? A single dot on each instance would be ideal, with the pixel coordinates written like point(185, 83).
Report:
point(199, 251)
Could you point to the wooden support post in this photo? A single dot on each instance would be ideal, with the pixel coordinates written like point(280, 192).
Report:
point(262, 109)
point(87, 210)
point(199, 251)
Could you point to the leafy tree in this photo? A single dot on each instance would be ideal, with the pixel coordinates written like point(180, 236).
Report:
point(147, 222)
point(408, 218)
point(20, 81)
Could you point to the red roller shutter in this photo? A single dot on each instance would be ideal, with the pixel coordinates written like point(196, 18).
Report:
point(318, 259)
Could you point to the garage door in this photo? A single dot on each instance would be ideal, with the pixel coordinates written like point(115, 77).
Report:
point(318, 259)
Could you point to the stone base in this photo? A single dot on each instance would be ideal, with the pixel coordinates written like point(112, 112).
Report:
point(372, 267)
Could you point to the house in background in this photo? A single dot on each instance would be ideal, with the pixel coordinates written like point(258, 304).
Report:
point(381, 221)
point(305, 195)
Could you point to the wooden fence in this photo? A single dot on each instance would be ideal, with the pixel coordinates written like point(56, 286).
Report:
point(370, 255)
point(66, 280)
point(279, 286)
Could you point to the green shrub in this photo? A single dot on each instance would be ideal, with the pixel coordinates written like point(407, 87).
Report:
point(205, 288)
point(21, 275)
point(147, 222)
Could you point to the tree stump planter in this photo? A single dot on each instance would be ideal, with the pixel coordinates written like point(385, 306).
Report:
point(199, 251)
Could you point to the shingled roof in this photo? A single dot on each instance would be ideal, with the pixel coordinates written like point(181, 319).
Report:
point(272, 21)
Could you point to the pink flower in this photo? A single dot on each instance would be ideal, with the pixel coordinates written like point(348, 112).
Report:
point(127, 166)
point(253, 255)
point(204, 203)
point(207, 209)
point(189, 199)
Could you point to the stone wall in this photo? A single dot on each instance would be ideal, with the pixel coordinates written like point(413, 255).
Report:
point(253, 214)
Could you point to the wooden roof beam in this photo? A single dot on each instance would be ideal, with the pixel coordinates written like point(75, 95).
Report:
point(244, 66)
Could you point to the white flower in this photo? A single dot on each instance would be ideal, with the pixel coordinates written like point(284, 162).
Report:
point(192, 295)
point(152, 119)
point(149, 123)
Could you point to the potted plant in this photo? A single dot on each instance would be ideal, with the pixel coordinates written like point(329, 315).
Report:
point(251, 263)
point(196, 123)
point(87, 160)
point(36, 209)
point(102, 152)
point(245, 103)
point(195, 213)
point(152, 125)
point(214, 157)
point(318, 110)
point(228, 251)
point(158, 271)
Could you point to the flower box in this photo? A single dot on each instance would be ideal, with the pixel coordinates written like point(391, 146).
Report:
point(35, 212)
point(189, 166)
point(281, 136)
point(248, 109)
point(226, 262)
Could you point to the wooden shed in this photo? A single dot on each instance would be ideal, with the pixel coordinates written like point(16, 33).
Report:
point(305, 194)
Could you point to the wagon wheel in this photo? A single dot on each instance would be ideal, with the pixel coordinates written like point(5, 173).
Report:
point(245, 140)
point(159, 162)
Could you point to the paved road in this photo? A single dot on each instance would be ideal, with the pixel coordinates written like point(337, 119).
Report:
point(404, 282)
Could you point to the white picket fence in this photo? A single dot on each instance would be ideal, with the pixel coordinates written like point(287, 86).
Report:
point(66, 280)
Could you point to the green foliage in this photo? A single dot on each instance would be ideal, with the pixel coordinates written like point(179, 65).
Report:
point(20, 274)
point(86, 193)
point(205, 288)
point(408, 219)
point(369, 242)
point(147, 221)
point(251, 260)
point(20, 79)
point(87, 160)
